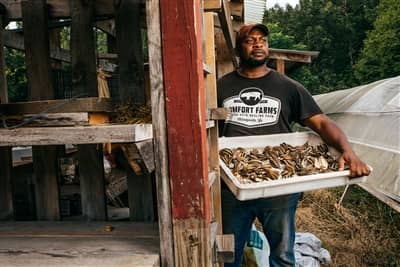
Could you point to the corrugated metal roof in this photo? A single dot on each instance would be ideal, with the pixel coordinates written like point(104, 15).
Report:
point(254, 11)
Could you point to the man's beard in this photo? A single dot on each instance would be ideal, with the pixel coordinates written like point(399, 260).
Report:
point(251, 62)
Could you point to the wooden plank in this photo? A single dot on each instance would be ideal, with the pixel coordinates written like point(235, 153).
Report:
point(225, 248)
point(6, 199)
point(192, 236)
point(45, 180)
point(37, 50)
point(78, 229)
point(91, 176)
point(184, 89)
point(75, 135)
point(146, 151)
point(164, 202)
point(79, 251)
point(51, 119)
point(59, 8)
point(280, 66)
point(223, 54)
point(3, 77)
point(84, 75)
point(140, 194)
point(90, 104)
point(212, 5)
point(211, 96)
point(217, 113)
point(237, 9)
point(15, 40)
point(226, 24)
point(107, 26)
point(292, 55)
point(130, 51)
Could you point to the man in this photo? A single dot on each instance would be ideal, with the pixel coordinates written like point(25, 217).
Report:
point(262, 101)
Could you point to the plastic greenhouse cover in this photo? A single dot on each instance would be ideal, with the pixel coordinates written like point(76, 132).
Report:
point(370, 116)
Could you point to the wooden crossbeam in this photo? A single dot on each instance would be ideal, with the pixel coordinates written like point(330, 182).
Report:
point(90, 104)
point(292, 55)
point(58, 8)
point(226, 24)
point(75, 135)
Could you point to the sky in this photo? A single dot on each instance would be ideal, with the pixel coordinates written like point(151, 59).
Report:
point(282, 3)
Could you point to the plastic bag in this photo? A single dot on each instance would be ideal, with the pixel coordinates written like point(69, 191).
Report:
point(256, 251)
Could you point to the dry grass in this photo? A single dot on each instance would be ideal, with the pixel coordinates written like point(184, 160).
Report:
point(362, 232)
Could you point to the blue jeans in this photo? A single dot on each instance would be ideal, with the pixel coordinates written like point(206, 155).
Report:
point(277, 215)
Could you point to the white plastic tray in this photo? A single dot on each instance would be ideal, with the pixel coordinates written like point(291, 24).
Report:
point(282, 186)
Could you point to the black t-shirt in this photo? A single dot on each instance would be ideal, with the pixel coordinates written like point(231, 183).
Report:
point(265, 105)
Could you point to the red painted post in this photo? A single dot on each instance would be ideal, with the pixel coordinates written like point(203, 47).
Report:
point(186, 130)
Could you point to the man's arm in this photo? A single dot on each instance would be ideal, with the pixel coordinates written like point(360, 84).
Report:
point(334, 136)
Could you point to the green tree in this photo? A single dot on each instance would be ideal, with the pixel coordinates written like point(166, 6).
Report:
point(380, 57)
point(17, 81)
point(278, 39)
point(334, 28)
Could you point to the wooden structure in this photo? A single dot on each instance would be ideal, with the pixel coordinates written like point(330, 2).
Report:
point(183, 69)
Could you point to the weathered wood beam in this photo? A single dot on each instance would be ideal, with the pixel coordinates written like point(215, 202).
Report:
point(91, 177)
point(292, 55)
point(211, 98)
point(59, 8)
point(15, 40)
point(90, 104)
point(37, 50)
point(75, 135)
point(45, 168)
point(212, 5)
point(3, 78)
point(159, 120)
point(226, 24)
point(84, 75)
point(130, 52)
point(186, 129)
point(236, 9)
point(6, 199)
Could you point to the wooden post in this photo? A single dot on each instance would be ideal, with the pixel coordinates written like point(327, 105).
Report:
point(84, 81)
point(159, 122)
point(130, 51)
point(91, 176)
point(140, 196)
point(6, 204)
point(37, 51)
point(211, 85)
point(280, 66)
point(186, 131)
point(46, 185)
point(6, 201)
point(83, 59)
point(3, 78)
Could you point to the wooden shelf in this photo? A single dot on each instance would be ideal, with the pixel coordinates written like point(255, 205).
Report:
point(76, 135)
point(65, 244)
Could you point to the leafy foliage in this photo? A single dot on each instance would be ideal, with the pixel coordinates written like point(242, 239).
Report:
point(17, 80)
point(380, 57)
point(336, 29)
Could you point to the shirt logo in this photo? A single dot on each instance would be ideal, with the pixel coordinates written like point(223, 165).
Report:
point(251, 108)
point(251, 96)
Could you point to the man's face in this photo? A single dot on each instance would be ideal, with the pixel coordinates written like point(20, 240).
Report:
point(254, 50)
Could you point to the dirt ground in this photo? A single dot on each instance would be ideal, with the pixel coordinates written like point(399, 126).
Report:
point(361, 232)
